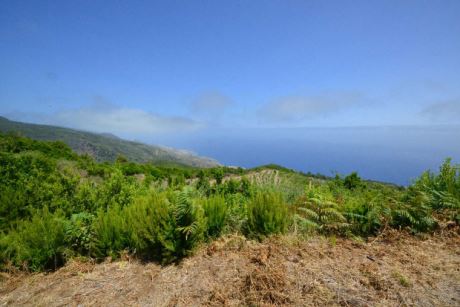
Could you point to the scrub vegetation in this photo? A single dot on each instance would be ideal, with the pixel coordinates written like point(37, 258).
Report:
point(56, 205)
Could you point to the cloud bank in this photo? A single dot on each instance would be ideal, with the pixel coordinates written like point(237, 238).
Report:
point(301, 108)
point(443, 111)
point(106, 117)
point(123, 120)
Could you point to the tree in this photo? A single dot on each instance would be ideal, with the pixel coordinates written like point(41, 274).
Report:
point(352, 181)
point(218, 175)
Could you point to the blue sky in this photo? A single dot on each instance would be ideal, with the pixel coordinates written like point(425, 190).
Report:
point(175, 71)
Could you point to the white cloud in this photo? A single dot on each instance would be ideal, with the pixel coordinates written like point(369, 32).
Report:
point(102, 116)
point(122, 120)
point(299, 108)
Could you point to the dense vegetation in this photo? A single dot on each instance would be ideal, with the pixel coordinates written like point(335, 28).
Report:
point(106, 147)
point(55, 205)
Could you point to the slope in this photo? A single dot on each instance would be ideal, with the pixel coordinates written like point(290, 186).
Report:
point(106, 147)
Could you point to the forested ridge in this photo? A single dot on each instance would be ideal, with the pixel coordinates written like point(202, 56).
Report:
point(106, 147)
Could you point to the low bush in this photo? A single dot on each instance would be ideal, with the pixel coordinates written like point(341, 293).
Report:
point(110, 232)
point(267, 214)
point(36, 244)
point(79, 234)
point(215, 211)
point(151, 227)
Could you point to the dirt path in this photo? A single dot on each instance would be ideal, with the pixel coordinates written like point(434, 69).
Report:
point(403, 271)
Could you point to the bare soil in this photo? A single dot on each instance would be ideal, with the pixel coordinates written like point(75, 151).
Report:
point(395, 270)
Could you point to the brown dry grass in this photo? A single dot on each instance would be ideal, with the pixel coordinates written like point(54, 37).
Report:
point(395, 270)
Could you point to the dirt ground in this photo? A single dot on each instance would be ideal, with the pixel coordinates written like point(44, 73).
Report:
point(397, 270)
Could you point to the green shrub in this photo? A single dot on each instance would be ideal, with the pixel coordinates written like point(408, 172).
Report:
point(203, 185)
point(151, 226)
point(110, 232)
point(13, 207)
point(236, 212)
point(352, 181)
point(267, 214)
point(215, 211)
point(218, 174)
point(246, 187)
point(36, 244)
point(231, 186)
point(86, 197)
point(79, 233)
point(448, 179)
point(117, 190)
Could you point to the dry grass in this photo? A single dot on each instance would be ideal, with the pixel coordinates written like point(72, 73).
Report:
point(395, 270)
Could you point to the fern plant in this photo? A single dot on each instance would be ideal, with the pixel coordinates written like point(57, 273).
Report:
point(442, 200)
point(446, 205)
point(190, 225)
point(414, 212)
point(317, 213)
point(367, 218)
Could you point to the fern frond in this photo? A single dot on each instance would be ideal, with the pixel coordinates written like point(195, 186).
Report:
point(309, 213)
point(331, 214)
point(406, 215)
point(309, 224)
point(189, 230)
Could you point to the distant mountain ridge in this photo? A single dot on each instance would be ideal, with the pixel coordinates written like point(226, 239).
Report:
point(106, 146)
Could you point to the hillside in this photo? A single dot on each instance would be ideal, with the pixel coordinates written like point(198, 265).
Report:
point(106, 147)
point(77, 232)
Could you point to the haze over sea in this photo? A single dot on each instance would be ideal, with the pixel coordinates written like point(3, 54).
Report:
point(390, 154)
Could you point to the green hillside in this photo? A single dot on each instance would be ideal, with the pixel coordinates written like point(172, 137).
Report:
point(56, 206)
point(106, 147)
